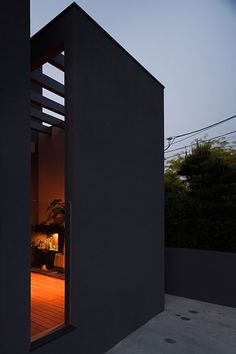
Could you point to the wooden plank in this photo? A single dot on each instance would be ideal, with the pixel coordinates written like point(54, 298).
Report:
point(47, 82)
point(58, 61)
point(47, 103)
point(55, 314)
point(44, 117)
point(47, 304)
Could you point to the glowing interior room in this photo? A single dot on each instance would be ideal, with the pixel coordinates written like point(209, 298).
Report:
point(48, 204)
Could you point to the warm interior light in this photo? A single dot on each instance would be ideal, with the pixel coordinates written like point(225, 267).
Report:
point(55, 241)
point(43, 241)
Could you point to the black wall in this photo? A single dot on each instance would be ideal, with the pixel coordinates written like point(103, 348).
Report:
point(114, 184)
point(202, 275)
point(115, 159)
point(14, 178)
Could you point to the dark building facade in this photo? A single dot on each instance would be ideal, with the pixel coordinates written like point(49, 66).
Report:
point(113, 184)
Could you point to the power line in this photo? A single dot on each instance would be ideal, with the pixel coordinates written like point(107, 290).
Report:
point(207, 127)
point(195, 132)
point(184, 153)
point(188, 137)
point(170, 142)
point(215, 137)
point(186, 146)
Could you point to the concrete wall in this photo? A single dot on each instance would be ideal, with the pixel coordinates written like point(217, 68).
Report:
point(15, 178)
point(202, 275)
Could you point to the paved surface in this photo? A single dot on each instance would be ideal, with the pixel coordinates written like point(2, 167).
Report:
point(185, 327)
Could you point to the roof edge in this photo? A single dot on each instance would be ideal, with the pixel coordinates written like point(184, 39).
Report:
point(74, 5)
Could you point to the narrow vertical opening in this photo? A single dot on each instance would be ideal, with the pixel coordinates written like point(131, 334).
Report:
point(48, 229)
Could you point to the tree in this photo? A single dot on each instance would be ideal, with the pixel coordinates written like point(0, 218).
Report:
point(200, 198)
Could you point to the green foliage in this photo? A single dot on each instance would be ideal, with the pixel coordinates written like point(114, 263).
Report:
point(56, 212)
point(200, 198)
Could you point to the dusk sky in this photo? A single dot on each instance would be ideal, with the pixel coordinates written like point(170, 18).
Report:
point(188, 45)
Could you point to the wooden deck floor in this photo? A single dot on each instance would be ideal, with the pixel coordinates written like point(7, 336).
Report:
point(47, 303)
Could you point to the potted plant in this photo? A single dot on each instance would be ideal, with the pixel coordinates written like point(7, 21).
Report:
point(56, 213)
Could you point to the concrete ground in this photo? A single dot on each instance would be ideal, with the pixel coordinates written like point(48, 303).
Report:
point(185, 327)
